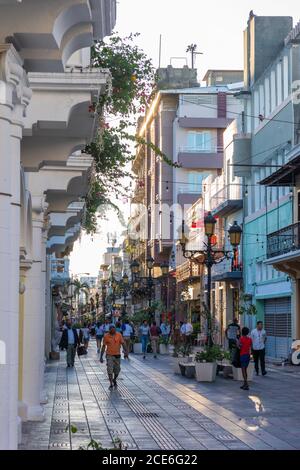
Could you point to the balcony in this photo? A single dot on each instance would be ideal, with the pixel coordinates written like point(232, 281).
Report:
point(283, 250)
point(196, 157)
point(226, 271)
point(284, 241)
point(188, 271)
point(227, 200)
point(60, 270)
point(241, 154)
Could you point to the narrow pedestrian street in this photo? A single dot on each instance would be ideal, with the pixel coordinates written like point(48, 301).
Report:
point(155, 409)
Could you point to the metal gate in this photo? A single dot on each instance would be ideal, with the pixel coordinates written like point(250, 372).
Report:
point(278, 327)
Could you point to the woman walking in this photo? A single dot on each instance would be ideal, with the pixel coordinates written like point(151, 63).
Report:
point(144, 334)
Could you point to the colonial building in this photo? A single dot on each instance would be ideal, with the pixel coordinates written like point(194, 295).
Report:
point(44, 125)
point(266, 142)
point(186, 122)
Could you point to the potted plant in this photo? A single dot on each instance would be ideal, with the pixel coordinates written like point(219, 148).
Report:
point(163, 346)
point(137, 346)
point(206, 363)
point(182, 354)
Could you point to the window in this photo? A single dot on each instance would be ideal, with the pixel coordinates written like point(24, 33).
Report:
point(267, 97)
point(285, 77)
point(259, 271)
point(256, 109)
point(261, 100)
point(279, 84)
point(200, 141)
point(195, 179)
point(273, 90)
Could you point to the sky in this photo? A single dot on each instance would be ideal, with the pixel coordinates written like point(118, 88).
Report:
point(217, 29)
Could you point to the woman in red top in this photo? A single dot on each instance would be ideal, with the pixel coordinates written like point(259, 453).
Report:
point(244, 345)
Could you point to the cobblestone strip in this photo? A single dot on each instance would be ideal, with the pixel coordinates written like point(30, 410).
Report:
point(207, 433)
point(149, 420)
point(115, 427)
point(59, 434)
point(228, 420)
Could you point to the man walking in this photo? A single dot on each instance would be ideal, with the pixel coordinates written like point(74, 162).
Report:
point(69, 341)
point(165, 331)
point(232, 334)
point(154, 337)
point(112, 342)
point(259, 338)
point(144, 332)
point(127, 335)
point(186, 331)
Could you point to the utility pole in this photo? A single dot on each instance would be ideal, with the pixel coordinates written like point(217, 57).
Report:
point(192, 49)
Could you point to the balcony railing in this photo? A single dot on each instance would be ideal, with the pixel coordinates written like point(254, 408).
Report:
point(283, 241)
point(192, 149)
point(60, 269)
point(229, 192)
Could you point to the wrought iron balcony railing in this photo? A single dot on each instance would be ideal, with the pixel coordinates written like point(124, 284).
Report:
point(283, 241)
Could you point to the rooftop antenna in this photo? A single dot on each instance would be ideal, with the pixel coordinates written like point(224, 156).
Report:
point(192, 49)
point(159, 54)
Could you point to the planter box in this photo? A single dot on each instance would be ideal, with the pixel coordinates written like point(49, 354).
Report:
point(206, 371)
point(187, 369)
point(237, 372)
point(137, 348)
point(176, 365)
point(163, 349)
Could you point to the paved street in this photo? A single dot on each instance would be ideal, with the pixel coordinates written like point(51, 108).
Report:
point(155, 409)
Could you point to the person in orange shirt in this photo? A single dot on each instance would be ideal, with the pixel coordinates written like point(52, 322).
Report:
point(112, 342)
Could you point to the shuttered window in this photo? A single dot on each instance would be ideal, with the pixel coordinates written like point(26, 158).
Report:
point(278, 320)
point(278, 325)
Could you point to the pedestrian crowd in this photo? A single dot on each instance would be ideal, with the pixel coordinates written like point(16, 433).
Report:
point(111, 337)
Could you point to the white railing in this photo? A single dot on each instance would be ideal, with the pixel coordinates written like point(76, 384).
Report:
point(189, 149)
point(229, 192)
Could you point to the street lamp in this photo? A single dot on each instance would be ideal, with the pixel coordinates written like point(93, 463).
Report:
point(211, 256)
point(165, 281)
point(125, 288)
point(135, 267)
point(164, 268)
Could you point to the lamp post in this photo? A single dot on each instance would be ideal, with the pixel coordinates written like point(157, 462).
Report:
point(103, 293)
point(150, 265)
point(211, 256)
point(114, 285)
point(124, 286)
point(165, 272)
point(149, 281)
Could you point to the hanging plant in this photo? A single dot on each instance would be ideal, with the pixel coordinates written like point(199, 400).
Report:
point(114, 147)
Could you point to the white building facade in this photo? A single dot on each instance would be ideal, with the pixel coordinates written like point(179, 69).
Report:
point(45, 124)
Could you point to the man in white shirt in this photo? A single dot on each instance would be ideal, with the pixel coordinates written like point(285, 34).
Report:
point(259, 338)
point(186, 331)
point(127, 332)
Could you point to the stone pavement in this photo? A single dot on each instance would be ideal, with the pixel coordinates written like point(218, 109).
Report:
point(155, 409)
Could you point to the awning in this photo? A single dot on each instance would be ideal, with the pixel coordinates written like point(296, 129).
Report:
point(285, 176)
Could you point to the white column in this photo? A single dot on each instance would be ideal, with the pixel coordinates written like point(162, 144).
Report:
point(14, 97)
point(5, 255)
point(43, 393)
point(34, 320)
point(48, 333)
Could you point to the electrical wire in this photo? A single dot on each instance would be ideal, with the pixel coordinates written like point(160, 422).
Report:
point(215, 107)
